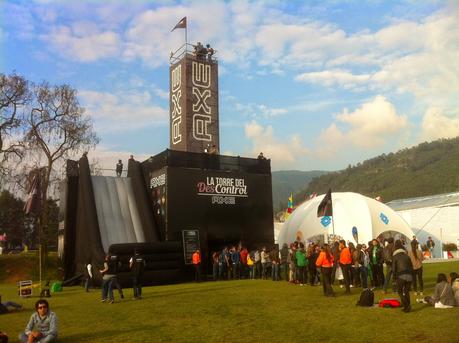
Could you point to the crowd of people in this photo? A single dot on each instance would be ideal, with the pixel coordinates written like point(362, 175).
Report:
point(352, 266)
point(298, 263)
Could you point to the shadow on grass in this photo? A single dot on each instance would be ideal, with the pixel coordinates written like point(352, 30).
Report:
point(104, 336)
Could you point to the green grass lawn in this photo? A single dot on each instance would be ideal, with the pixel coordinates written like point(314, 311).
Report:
point(239, 311)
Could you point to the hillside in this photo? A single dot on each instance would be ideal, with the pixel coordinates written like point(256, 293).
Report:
point(290, 181)
point(428, 168)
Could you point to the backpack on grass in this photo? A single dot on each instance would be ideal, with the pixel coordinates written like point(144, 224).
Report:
point(367, 298)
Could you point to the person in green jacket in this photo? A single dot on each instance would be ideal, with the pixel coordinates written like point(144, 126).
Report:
point(301, 263)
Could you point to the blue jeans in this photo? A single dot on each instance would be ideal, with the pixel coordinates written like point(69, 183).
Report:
point(388, 278)
point(251, 272)
point(47, 339)
point(275, 272)
point(215, 271)
point(107, 288)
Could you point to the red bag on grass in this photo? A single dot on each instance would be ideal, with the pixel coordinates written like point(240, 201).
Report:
point(391, 302)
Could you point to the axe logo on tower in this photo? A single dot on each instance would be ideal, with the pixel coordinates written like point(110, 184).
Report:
point(223, 190)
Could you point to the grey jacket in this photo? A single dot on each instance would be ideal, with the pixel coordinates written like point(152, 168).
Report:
point(444, 293)
point(47, 326)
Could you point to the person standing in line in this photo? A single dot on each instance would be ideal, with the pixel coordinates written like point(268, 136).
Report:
point(89, 276)
point(312, 258)
point(325, 263)
point(250, 266)
point(430, 245)
point(275, 262)
point(365, 262)
point(243, 256)
point(196, 259)
point(300, 255)
point(256, 263)
point(264, 256)
point(376, 263)
point(42, 326)
point(335, 252)
point(284, 262)
point(345, 261)
point(416, 260)
point(236, 263)
point(137, 265)
point(215, 256)
point(223, 264)
point(119, 168)
point(388, 252)
point(403, 273)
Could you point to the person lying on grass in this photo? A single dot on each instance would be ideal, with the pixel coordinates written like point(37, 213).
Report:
point(6, 306)
point(42, 326)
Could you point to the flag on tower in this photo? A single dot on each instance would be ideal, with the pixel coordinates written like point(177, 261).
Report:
point(181, 24)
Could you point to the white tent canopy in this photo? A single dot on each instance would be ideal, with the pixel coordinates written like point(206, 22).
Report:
point(369, 217)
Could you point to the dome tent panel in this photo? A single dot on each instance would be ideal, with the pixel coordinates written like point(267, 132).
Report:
point(349, 210)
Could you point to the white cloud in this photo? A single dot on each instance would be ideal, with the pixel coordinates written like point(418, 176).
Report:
point(436, 124)
point(334, 77)
point(123, 110)
point(83, 42)
point(370, 126)
point(282, 154)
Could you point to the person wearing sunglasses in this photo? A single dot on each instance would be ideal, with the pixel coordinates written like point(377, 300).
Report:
point(42, 326)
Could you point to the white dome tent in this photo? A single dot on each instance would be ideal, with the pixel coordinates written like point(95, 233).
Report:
point(351, 212)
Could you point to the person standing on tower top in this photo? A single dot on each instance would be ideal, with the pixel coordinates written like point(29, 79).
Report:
point(119, 168)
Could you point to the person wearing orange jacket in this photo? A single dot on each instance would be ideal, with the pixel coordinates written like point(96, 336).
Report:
point(345, 262)
point(325, 262)
point(196, 258)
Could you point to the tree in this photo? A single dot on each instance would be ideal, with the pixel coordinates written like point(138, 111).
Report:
point(14, 96)
point(56, 129)
point(12, 220)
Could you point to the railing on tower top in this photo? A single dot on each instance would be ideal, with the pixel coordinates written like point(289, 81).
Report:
point(203, 53)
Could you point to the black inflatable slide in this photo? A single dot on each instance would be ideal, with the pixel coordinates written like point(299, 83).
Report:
point(112, 215)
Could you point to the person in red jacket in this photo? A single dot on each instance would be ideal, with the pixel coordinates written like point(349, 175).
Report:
point(196, 258)
point(345, 261)
point(325, 262)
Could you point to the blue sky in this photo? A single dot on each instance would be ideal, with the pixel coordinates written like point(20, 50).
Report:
point(313, 84)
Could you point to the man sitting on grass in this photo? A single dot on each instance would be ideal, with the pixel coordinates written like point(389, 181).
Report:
point(42, 326)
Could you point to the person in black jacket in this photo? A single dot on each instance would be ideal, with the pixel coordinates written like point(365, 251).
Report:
point(137, 265)
point(403, 274)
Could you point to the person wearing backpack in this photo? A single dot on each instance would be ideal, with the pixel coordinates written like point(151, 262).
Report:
point(137, 264)
point(403, 273)
point(388, 251)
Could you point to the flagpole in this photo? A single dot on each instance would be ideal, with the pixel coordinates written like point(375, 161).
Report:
point(333, 216)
